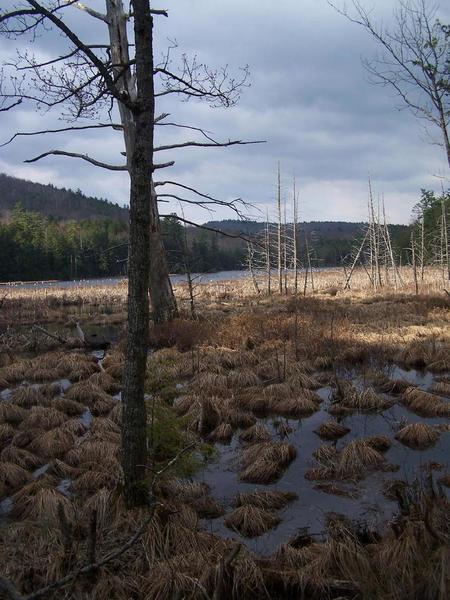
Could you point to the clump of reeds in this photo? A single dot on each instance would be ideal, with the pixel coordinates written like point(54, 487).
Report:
point(418, 436)
point(255, 433)
point(357, 458)
point(53, 443)
point(60, 469)
point(334, 490)
point(206, 507)
point(251, 521)
point(425, 404)
point(104, 425)
point(322, 363)
point(6, 434)
point(326, 456)
point(22, 439)
point(97, 476)
point(13, 476)
point(27, 396)
point(441, 387)
point(222, 433)
point(50, 390)
point(331, 430)
point(268, 500)
point(14, 373)
point(394, 386)
point(379, 442)
point(264, 462)
point(105, 382)
point(74, 426)
point(40, 417)
point(365, 400)
point(294, 407)
point(70, 407)
point(11, 413)
point(320, 473)
point(21, 457)
point(445, 480)
point(243, 378)
point(84, 392)
point(185, 490)
point(43, 505)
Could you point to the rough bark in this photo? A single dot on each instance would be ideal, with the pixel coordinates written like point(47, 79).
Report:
point(164, 306)
point(134, 434)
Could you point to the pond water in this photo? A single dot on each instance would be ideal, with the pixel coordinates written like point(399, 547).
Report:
point(111, 281)
point(310, 510)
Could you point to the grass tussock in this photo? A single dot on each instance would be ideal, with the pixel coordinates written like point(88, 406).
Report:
point(43, 505)
point(27, 396)
point(418, 436)
point(296, 408)
point(265, 462)
point(331, 430)
point(222, 433)
point(243, 378)
point(105, 382)
point(442, 388)
point(40, 417)
point(357, 458)
point(13, 476)
point(379, 442)
point(69, 407)
point(6, 434)
point(255, 433)
point(11, 413)
point(425, 404)
point(19, 456)
point(22, 439)
point(359, 400)
point(265, 499)
point(207, 507)
point(53, 444)
point(251, 521)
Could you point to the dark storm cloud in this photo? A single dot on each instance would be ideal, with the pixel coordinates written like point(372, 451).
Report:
point(309, 98)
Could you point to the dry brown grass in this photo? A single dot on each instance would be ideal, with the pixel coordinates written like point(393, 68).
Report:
point(441, 387)
point(105, 382)
point(357, 458)
point(268, 500)
point(19, 456)
point(40, 417)
point(265, 462)
point(42, 505)
point(13, 476)
point(418, 436)
point(425, 404)
point(255, 433)
point(69, 407)
point(251, 521)
point(27, 396)
point(379, 442)
point(331, 430)
point(53, 443)
point(222, 433)
point(11, 413)
point(6, 434)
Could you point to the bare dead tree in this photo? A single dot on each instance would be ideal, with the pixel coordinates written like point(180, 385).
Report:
point(413, 60)
point(86, 81)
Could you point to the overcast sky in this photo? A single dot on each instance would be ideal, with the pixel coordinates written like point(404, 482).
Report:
point(309, 98)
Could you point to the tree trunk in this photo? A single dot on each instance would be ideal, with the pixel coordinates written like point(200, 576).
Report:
point(164, 306)
point(134, 424)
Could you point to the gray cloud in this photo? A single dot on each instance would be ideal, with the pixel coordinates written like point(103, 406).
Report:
point(309, 98)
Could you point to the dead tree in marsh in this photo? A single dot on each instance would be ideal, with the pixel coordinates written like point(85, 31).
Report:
point(88, 80)
point(295, 240)
point(279, 236)
point(413, 59)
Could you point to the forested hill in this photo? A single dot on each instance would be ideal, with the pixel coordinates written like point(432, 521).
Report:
point(342, 230)
point(50, 201)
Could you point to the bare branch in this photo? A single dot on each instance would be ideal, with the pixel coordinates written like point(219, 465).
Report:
point(207, 145)
point(84, 157)
point(16, 103)
point(91, 12)
point(116, 126)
